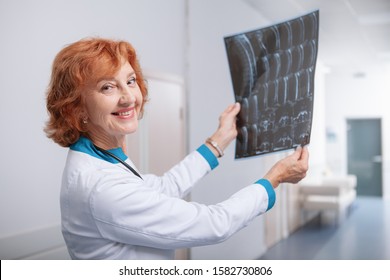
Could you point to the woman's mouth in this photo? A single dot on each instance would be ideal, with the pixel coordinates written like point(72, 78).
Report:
point(124, 114)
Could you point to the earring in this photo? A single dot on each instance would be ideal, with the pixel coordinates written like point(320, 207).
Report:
point(85, 121)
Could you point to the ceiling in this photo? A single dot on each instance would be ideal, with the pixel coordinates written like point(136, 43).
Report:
point(353, 35)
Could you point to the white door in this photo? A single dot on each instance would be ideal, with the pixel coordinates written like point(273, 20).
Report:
point(160, 141)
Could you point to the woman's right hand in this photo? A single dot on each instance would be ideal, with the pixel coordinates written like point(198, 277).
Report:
point(290, 169)
point(227, 130)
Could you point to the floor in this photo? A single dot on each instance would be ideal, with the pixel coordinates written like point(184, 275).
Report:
point(363, 235)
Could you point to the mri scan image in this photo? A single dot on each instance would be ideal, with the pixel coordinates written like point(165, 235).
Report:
point(272, 71)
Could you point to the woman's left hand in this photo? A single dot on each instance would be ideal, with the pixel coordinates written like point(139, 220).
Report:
point(227, 130)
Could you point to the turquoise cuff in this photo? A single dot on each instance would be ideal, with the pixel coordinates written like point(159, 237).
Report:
point(270, 190)
point(208, 155)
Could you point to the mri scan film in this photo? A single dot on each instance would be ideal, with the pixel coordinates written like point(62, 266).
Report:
point(272, 71)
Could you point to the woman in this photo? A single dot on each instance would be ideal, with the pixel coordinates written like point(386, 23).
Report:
point(109, 211)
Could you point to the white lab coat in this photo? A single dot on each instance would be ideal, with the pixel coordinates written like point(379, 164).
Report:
point(109, 213)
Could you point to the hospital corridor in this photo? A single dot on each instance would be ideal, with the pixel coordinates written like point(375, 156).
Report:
point(364, 235)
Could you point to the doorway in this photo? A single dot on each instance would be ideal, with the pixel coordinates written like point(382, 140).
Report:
point(160, 140)
point(364, 148)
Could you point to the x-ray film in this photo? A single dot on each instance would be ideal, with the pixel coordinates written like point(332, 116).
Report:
point(272, 71)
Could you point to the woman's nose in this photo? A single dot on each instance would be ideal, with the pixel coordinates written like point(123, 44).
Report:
point(127, 95)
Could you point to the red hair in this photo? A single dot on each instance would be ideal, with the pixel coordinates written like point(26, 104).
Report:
point(74, 67)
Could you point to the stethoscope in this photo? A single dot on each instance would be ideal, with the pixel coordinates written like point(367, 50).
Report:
point(118, 159)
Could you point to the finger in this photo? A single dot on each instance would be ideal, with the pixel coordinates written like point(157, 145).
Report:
point(226, 112)
point(233, 108)
point(297, 153)
point(236, 107)
point(231, 112)
point(305, 153)
point(229, 108)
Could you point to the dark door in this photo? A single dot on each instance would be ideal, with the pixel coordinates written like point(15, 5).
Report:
point(364, 145)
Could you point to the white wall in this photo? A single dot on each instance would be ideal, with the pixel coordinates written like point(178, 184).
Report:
point(349, 97)
point(210, 92)
point(31, 33)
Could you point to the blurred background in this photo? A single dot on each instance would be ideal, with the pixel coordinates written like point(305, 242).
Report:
point(181, 49)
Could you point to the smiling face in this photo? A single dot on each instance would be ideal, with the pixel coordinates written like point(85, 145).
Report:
point(113, 107)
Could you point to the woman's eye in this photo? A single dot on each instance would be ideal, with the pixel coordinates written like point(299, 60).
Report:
point(107, 87)
point(132, 81)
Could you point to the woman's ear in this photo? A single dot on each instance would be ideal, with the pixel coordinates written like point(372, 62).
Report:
point(83, 116)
